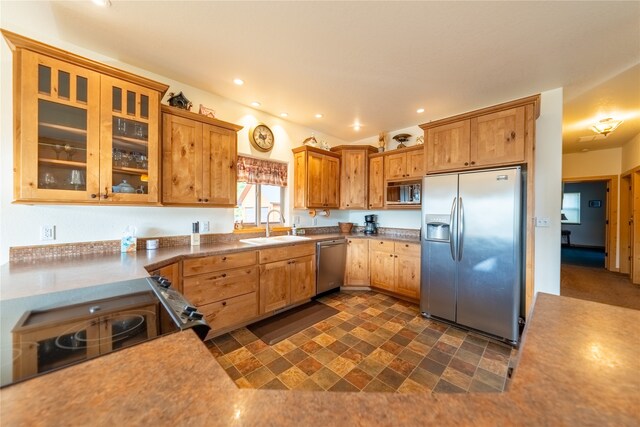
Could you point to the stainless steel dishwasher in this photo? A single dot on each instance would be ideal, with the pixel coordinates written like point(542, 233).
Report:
point(331, 261)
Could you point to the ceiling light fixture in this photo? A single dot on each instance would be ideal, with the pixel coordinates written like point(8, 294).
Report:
point(102, 3)
point(606, 126)
point(420, 110)
point(356, 126)
point(319, 116)
point(284, 114)
point(239, 82)
point(255, 104)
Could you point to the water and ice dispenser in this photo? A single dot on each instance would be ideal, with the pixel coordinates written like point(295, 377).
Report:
point(438, 228)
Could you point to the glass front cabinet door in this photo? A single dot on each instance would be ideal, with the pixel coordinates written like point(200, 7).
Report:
point(59, 120)
point(84, 132)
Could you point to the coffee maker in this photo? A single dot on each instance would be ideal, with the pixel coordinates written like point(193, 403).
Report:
point(370, 225)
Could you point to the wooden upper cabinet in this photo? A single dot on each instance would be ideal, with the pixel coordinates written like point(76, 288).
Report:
point(354, 166)
point(493, 136)
point(448, 146)
point(407, 163)
point(316, 178)
point(498, 137)
point(376, 182)
point(199, 156)
point(84, 132)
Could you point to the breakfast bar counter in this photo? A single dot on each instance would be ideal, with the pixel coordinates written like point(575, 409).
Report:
point(577, 365)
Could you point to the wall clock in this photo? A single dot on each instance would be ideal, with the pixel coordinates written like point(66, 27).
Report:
point(261, 137)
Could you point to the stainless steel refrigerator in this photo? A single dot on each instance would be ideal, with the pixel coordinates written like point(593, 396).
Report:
point(472, 250)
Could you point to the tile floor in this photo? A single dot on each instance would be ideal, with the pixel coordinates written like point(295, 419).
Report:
point(376, 343)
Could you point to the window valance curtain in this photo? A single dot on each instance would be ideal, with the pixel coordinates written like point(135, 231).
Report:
point(259, 171)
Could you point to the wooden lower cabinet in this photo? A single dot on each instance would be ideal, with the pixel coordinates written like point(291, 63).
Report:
point(231, 311)
point(357, 272)
point(286, 277)
point(395, 267)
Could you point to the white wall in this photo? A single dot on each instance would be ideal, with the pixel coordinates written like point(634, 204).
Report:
point(630, 154)
point(20, 224)
point(591, 163)
point(548, 189)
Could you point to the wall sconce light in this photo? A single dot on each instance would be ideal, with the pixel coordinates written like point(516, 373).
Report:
point(606, 126)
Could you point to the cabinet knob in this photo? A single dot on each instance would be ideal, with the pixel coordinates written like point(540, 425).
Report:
point(466, 163)
point(395, 256)
point(224, 275)
point(391, 255)
point(224, 258)
point(94, 195)
point(206, 200)
point(224, 303)
point(513, 135)
point(473, 163)
point(200, 200)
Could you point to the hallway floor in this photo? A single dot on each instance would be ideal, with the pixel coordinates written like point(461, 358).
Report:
point(376, 343)
point(598, 285)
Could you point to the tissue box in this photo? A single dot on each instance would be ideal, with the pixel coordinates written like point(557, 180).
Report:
point(128, 244)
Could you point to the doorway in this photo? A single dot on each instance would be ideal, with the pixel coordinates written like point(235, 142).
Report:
point(589, 222)
point(630, 228)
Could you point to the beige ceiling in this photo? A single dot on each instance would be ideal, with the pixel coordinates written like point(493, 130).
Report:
point(376, 62)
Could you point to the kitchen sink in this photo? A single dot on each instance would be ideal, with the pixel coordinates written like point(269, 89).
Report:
point(274, 240)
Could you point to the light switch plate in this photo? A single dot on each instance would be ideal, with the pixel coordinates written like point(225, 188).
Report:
point(543, 221)
point(47, 232)
point(205, 227)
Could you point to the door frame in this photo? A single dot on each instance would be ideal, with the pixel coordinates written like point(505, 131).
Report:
point(611, 220)
point(630, 224)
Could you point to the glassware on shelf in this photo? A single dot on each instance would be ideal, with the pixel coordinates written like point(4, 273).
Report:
point(58, 149)
point(138, 131)
point(76, 179)
point(48, 180)
point(70, 151)
point(117, 157)
point(121, 126)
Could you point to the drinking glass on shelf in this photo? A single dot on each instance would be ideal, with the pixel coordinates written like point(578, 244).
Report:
point(137, 130)
point(70, 151)
point(121, 126)
point(48, 180)
point(58, 149)
point(117, 157)
point(76, 179)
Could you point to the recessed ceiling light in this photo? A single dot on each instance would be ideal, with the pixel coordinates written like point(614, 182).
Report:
point(255, 104)
point(239, 82)
point(356, 126)
point(102, 3)
point(319, 116)
point(284, 114)
point(420, 110)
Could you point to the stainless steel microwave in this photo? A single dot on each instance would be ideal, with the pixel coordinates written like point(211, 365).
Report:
point(404, 193)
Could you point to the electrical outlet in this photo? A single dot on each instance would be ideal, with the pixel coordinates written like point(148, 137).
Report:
point(296, 220)
point(205, 227)
point(543, 221)
point(314, 221)
point(48, 232)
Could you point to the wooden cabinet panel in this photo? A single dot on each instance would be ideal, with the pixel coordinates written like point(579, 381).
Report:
point(407, 275)
point(232, 311)
point(498, 137)
point(376, 182)
point(274, 286)
point(208, 288)
point(411, 249)
point(381, 245)
point(302, 279)
point(381, 268)
point(218, 262)
point(300, 180)
point(171, 272)
point(316, 178)
point(331, 182)
point(353, 178)
point(199, 156)
point(357, 273)
point(181, 159)
point(286, 252)
point(219, 165)
point(447, 146)
point(415, 163)
point(395, 166)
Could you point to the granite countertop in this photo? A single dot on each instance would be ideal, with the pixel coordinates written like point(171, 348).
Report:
point(41, 276)
point(577, 366)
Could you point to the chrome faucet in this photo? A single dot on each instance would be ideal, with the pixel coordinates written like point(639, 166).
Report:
point(269, 213)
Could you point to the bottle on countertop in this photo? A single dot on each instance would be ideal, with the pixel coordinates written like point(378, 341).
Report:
point(195, 234)
point(294, 230)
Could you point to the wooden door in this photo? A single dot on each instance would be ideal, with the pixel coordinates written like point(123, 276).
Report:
point(395, 166)
point(635, 229)
point(415, 163)
point(57, 121)
point(376, 182)
point(498, 138)
point(300, 180)
point(381, 269)
point(129, 142)
point(357, 273)
point(315, 197)
point(447, 146)
point(330, 182)
point(302, 278)
point(407, 279)
point(353, 179)
point(219, 166)
point(625, 224)
point(274, 286)
point(181, 160)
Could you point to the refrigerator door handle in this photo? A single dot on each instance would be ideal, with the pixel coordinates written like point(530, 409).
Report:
point(452, 244)
point(461, 231)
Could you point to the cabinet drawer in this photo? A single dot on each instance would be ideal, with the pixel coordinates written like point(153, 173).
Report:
point(412, 249)
point(381, 245)
point(208, 288)
point(286, 252)
point(232, 311)
point(218, 262)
